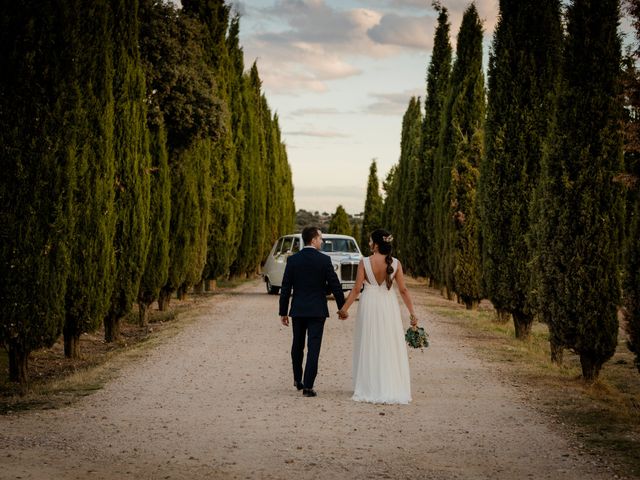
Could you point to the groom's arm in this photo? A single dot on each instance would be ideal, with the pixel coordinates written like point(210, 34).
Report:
point(285, 291)
point(334, 284)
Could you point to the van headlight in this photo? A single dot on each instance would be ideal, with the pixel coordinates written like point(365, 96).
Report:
point(336, 266)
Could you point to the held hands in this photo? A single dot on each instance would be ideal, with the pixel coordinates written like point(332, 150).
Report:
point(342, 315)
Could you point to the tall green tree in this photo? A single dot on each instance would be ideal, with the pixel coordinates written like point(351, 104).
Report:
point(406, 206)
point(239, 119)
point(340, 222)
point(631, 84)
point(157, 263)
point(372, 218)
point(632, 284)
point(580, 205)
point(287, 207)
point(226, 202)
point(390, 201)
point(438, 74)
point(200, 159)
point(158, 21)
point(185, 86)
point(456, 166)
point(91, 277)
point(38, 150)
point(523, 75)
point(131, 240)
point(253, 173)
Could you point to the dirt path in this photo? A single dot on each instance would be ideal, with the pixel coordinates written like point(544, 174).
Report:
point(217, 401)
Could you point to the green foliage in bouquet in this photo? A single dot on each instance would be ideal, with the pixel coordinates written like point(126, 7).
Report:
point(416, 337)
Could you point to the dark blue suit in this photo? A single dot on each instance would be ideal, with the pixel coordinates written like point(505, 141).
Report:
point(310, 274)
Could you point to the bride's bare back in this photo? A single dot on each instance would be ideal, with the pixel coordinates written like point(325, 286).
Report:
point(379, 267)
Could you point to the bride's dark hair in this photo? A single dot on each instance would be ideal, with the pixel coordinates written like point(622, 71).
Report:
point(383, 240)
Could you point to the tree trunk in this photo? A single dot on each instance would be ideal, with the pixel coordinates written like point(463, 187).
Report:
point(18, 364)
point(522, 324)
point(71, 344)
point(502, 316)
point(111, 328)
point(199, 287)
point(210, 285)
point(163, 300)
point(557, 351)
point(590, 367)
point(143, 313)
point(182, 292)
point(471, 304)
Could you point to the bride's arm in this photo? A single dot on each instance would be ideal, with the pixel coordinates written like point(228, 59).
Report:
point(404, 293)
point(355, 291)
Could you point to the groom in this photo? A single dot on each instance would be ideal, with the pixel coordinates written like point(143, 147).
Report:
point(309, 272)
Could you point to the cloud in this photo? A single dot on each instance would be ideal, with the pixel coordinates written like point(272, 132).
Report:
point(412, 32)
point(392, 103)
point(316, 111)
point(239, 7)
point(317, 133)
point(303, 45)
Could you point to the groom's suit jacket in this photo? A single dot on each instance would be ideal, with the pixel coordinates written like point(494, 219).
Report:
point(309, 273)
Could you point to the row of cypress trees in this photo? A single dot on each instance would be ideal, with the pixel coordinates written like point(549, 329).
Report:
point(516, 198)
point(139, 159)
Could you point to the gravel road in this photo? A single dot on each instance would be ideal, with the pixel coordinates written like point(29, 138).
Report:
point(216, 401)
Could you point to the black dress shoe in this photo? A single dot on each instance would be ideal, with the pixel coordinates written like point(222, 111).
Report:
point(309, 392)
point(298, 385)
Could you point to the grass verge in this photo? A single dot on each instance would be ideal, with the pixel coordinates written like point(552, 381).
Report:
point(603, 418)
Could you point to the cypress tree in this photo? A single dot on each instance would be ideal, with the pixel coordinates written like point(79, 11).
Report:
point(273, 174)
point(185, 88)
point(372, 207)
point(157, 32)
point(355, 232)
point(340, 222)
point(202, 153)
point(632, 285)
point(287, 209)
point(580, 207)
point(90, 282)
point(406, 181)
point(523, 72)
point(390, 202)
point(239, 119)
point(438, 74)
point(225, 200)
point(631, 83)
point(253, 177)
point(39, 101)
point(131, 144)
point(456, 165)
point(157, 264)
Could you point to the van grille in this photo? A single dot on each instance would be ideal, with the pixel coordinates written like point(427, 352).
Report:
point(348, 272)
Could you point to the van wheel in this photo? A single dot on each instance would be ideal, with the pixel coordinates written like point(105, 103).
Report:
point(271, 290)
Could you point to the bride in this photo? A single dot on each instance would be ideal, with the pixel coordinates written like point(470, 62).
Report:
point(380, 361)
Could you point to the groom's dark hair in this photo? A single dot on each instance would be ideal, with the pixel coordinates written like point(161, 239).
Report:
point(309, 233)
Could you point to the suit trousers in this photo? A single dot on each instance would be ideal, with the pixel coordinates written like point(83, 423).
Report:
point(314, 328)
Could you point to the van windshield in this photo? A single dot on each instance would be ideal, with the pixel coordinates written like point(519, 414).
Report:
point(345, 245)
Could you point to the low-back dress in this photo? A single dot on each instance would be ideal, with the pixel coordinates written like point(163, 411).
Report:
point(380, 359)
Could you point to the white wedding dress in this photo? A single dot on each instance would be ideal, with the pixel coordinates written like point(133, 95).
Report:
point(380, 360)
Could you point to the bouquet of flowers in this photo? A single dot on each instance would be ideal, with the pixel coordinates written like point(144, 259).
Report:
point(416, 337)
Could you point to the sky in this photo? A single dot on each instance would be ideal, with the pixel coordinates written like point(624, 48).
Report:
point(340, 74)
